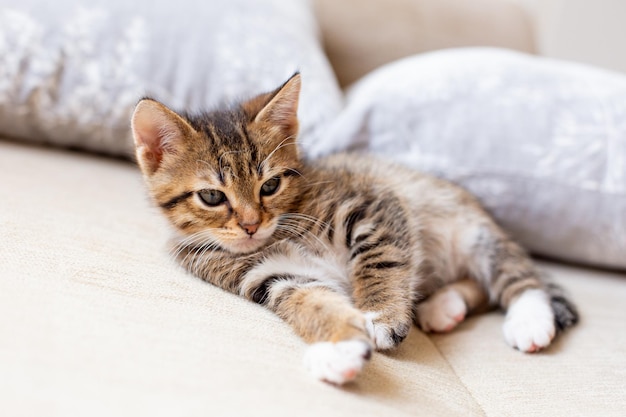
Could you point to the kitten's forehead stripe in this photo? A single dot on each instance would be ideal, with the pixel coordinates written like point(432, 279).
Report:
point(254, 151)
point(212, 137)
point(228, 130)
point(216, 134)
point(225, 125)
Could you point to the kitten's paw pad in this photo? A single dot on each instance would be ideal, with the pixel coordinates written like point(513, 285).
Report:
point(529, 323)
point(383, 335)
point(339, 362)
point(442, 312)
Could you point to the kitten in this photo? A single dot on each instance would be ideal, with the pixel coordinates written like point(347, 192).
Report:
point(348, 250)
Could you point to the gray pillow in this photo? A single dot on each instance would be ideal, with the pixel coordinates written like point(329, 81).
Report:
point(541, 142)
point(71, 72)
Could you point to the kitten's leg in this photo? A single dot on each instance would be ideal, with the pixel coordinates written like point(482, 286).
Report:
point(383, 278)
point(340, 345)
point(534, 310)
point(283, 280)
point(449, 305)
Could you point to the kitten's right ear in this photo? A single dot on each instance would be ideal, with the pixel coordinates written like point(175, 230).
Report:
point(158, 132)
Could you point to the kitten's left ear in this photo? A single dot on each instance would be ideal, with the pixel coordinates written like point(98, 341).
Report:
point(278, 108)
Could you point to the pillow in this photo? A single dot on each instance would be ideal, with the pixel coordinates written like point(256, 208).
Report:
point(71, 73)
point(541, 142)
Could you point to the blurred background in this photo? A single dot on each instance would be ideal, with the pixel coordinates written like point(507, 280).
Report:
point(581, 30)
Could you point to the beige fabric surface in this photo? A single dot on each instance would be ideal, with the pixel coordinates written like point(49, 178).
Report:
point(361, 35)
point(96, 320)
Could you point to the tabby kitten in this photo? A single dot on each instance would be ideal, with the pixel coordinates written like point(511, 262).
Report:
point(348, 250)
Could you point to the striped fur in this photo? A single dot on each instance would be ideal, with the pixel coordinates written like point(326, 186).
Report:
point(346, 248)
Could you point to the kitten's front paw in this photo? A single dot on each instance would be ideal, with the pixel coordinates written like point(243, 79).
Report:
point(385, 336)
point(529, 323)
point(339, 362)
point(441, 312)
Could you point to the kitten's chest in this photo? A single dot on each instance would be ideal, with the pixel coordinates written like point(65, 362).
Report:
point(333, 260)
point(320, 259)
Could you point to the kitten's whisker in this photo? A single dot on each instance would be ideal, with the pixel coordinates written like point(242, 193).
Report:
point(279, 146)
point(301, 216)
point(198, 237)
point(205, 163)
point(306, 238)
point(321, 182)
point(307, 234)
point(177, 248)
point(191, 253)
point(219, 162)
point(209, 257)
point(202, 254)
point(296, 172)
point(190, 243)
point(290, 231)
point(296, 224)
point(195, 237)
point(306, 217)
point(195, 254)
point(199, 256)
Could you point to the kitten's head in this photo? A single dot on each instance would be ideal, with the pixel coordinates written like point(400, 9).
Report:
point(223, 177)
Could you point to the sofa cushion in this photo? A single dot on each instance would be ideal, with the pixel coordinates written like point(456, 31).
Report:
point(96, 320)
point(541, 142)
point(72, 73)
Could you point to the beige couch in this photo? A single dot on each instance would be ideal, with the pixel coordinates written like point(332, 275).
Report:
point(95, 319)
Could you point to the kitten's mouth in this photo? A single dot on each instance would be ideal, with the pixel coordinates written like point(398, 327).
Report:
point(248, 244)
point(251, 243)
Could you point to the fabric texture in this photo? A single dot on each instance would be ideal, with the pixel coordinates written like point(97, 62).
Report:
point(541, 142)
point(71, 73)
point(97, 320)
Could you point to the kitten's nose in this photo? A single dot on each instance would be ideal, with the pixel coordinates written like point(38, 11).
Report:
point(250, 228)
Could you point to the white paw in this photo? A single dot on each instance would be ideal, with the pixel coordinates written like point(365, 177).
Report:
point(529, 323)
point(339, 362)
point(442, 311)
point(383, 336)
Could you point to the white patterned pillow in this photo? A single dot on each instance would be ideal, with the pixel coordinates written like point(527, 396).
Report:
point(541, 142)
point(71, 72)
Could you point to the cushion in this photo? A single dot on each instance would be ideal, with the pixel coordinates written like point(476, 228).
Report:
point(541, 142)
point(97, 320)
point(72, 74)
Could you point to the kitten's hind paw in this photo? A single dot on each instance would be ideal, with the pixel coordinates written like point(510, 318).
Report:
point(441, 312)
point(529, 324)
point(339, 362)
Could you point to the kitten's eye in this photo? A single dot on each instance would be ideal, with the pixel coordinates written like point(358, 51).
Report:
point(212, 197)
point(270, 186)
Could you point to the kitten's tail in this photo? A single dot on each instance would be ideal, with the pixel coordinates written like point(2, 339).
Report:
point(565, 312)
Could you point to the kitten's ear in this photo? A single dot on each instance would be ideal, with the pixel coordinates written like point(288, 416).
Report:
point(278, 108)
point(157, 131)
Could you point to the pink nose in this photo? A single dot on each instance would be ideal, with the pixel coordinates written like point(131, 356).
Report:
point(250, 228)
